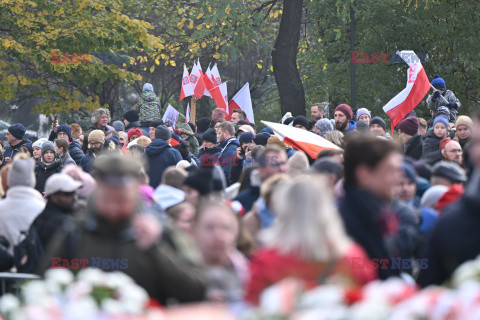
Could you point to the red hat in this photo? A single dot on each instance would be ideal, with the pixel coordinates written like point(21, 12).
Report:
point(409, 126)
point(453, 194)
point(443, 143)
point(135, 131)
point(218, 114)
point(346, 110)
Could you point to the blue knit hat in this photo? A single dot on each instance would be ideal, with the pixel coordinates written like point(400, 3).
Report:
point(438, 83)
point(66, 129)
point(17, 130)
point(409, 172)
point(441, 119)
point(246, 137)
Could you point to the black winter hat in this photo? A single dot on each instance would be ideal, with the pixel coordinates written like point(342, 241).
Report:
point(210, 136)
point(17, 130)
point(261, 139)
point(200, 180)
point(379, 121)
point(203, 124)
point(131, 115)
point(450, 171)
point(303, 121)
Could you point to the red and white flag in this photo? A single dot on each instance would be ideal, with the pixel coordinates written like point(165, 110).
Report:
point(208, 82)
point(187, 114)
point(196, 79)
point(304, 140)
point(220, 95)
point(242, 100)
point(187, 89)
point(171, 116)
point(416, 89)
point(217, 80)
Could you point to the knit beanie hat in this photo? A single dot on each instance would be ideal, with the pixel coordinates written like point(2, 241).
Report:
point(261, 139)
point(147, 87)
point(442, 111)
point(409, 172)
point(48, 146)
point(303, 121)
point(449, 170)
point(163, 133)
point(96, 136)
point(134, 131)
point(21, 173)
point(203, 124)
point(267, 130)
point(39, 143)
point(438, 83)
point(346, 110)
point(200, 180)
point(409, 126)
point(324, 125)
point(379, 121)
point(441, 119)
point(362, 127)
point(363, 111)
point(66, 129)
point(246, 137)
point(131, 116)
point(118, 125)
point(210, 136)
point(218, 114)
point(17, 130)
point(464, 121)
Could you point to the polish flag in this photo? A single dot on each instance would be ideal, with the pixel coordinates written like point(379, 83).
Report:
point(217, 80)
point(208, 82)
point(196, 79)
point(187, 114)
point(304, 140)
point(220, 95)
point(187, 89)
point(416, 89)
point(242, 100)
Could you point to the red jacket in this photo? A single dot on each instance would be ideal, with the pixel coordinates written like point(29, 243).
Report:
point(268, 267)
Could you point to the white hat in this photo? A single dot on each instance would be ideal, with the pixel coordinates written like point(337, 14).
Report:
point(39, 143)
point(61, 182)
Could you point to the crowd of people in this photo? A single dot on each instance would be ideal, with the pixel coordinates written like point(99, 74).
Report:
point(219, 210)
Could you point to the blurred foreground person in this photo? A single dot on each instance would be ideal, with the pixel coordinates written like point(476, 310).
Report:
point(112, 234)
point(310, 244)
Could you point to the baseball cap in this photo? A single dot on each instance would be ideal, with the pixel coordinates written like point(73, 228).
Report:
point(61, 182)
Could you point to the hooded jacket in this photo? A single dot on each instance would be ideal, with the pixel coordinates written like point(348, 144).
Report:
point(185, 129)
point(439, 102)
point(11, 151)
point(228, 154)
point(160, 155)
point(165, 275)
point(431, 147)
point(44, 171)
point(455, 238)
point(76, 152)
point(20, 207)
point(149, 106)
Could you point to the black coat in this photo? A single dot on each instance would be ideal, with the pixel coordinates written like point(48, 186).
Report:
point(362, 213)
point(87, 161)
point(49, 221)
point(76, 152)
point(160, 155)
point(248, 197)
point(208, 156)
point(11, 151)
point(228, 155)
point(431, 144)
point(455, 238)
point(44, 171)
point(414, 147)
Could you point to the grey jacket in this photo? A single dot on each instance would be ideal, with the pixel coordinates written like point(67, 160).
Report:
point(434, 104)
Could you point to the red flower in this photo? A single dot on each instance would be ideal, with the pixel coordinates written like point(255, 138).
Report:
point(353, 294)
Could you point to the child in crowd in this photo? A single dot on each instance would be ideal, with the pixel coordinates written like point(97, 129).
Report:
point(431, 151)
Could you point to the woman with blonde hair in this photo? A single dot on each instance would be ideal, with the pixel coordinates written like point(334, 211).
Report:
point(307, 240)
point(335, 137)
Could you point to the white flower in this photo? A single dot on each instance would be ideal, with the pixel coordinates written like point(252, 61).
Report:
point(9, 303)
point(325, 295)
point(93, 276)
point(118, 280)
point(112, 307)
point(35, 292)
point(133, 299)
point(78, 290)
point(469, 270)
point(370, 310)
point(84, 308)
point(60, 276)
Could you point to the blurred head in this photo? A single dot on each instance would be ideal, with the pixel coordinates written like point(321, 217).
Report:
point(76, 130)
point(272, 161)
point(453, 152)
point(407, 185)
point(238, 115)
point(422, 126)
point(463, 126)
point(48, 152)
point(100, 118)
point(475, 143)
point(61, 146)
point(377, 126)
point(364, 115)
point(322, 237)
point(122, 138)
point(317, 110)
point(183, 216)
point(216, 230)
point(37, 152)
point(225, 131)
point(440, 126)
point(374, 165)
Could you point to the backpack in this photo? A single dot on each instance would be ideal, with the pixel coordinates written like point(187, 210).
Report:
point(28, 252)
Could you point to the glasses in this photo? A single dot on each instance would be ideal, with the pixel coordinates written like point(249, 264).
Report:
point(455, 151)
point(97, 144)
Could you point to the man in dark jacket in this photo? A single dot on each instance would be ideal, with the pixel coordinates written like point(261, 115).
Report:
point(60, 191)
point(111, 233)
point(96, 140)
point(160, 155)
point(412, 142)
point(15, 134)
point(387, 232)
point(75, 149)
point(228, 146)
point(209, 153)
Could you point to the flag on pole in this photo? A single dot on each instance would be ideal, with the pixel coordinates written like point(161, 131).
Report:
point(220, 95)
point(171, 115)
point(243, 101)
point(187, 114)
point(416, 89)
point(187, 89)
point(217, 80)
point(206, 78)
point(304, 140)
point(196, 79)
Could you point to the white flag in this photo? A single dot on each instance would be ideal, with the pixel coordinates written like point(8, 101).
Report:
point(171, 115)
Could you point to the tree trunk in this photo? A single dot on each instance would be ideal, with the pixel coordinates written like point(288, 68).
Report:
point(284, 59)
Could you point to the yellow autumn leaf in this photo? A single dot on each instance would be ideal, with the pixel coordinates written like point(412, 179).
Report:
point(180, 25)
point(173, 63)
point(200, 15)
point(180, 11)
point(216, 56)
point(152, 68)
point(275, 15)
point(157, 61)
point(190, 25)
point(259, 66)
point(204, 45)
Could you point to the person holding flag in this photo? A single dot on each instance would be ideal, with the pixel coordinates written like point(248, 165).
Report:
point(443, 97)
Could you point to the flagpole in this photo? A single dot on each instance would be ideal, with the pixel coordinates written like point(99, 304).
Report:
point(193, 111)
point(435, 89)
